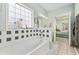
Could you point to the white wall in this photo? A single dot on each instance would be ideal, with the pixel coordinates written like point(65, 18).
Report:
point(76, 8)
point(59, 25)
point(61, 10)
point(2, 16)
point(37, 8)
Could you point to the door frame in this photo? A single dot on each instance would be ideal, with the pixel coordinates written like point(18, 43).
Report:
point(69, 14)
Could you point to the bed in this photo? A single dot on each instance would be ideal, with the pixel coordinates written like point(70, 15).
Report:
point(64, 34)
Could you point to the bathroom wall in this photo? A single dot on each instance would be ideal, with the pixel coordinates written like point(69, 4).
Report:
point(38, 9)
point(2, 16)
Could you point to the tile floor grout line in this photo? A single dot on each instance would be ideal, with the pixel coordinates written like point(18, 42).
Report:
point(76, 51)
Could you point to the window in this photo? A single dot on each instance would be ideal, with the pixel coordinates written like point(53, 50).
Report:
point(17, 12)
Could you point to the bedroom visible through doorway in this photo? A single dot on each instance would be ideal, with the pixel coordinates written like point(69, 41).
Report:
point(63, 28)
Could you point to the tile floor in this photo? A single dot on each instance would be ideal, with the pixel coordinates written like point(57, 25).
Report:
point(61, 47)
point(77, 50)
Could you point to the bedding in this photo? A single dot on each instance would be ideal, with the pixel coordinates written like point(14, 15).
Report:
point(64, 34)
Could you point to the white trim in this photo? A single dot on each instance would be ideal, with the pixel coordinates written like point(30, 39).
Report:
point(69, 28)
point(55, 31)
point(43, 16)
point(7, 16)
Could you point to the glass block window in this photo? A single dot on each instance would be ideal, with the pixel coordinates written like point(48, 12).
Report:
point(16, 12)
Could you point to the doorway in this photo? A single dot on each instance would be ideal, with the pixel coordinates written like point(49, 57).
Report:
point(62, 35)
point(63, 28)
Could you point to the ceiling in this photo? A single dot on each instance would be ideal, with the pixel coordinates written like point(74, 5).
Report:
point(52, 6)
